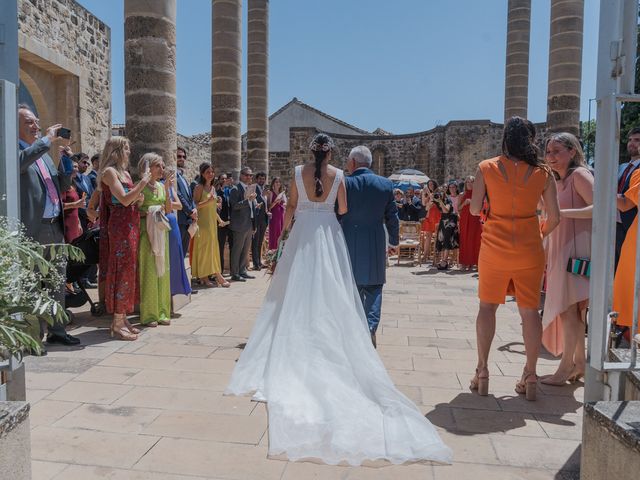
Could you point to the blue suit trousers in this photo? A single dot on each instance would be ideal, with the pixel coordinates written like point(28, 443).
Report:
point(371, 296)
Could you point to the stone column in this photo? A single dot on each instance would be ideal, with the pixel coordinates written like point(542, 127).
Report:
point(516, 90)
point(565, 66)
point(150, 77)
point(258, 85)
point(225, 86)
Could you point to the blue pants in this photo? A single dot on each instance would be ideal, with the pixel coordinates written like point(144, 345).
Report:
point(371, 296)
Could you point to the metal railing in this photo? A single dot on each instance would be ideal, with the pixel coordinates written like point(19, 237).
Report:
point(615, 85)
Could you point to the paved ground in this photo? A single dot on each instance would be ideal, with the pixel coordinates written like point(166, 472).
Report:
point(153, 409)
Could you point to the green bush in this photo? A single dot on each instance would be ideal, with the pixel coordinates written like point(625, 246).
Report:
point(26, 268)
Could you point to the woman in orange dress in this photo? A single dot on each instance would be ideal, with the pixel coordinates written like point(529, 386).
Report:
point(511, 253)
point(431, 221)
point(470, 229)
point(625, 274)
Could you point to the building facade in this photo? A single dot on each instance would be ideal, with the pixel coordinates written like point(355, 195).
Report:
point(65, 69)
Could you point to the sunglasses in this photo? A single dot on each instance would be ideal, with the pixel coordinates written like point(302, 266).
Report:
point(181, 156)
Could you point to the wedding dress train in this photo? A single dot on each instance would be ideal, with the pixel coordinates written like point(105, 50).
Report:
point(310, 357)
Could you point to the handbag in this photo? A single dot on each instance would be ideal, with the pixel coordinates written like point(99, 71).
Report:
point(577, 265)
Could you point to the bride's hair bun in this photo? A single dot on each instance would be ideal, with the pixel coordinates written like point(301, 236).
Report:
point(321, 145)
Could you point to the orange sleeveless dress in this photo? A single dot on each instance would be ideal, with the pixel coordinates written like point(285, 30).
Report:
point(623, 291)
point(511, 254)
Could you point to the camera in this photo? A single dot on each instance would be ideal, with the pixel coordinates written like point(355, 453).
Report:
point(64, 133)
point(437, 196)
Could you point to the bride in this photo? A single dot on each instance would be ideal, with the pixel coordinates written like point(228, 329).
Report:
point(310, 355)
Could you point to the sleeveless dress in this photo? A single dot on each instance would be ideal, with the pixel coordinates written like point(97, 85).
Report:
point(119, 238)
point(623, 283)
point(470, 234)
point(311, 359)
point(276, 222)
point(571, 238)
point(155, 291)
point(205, 252)
point(180, 284)
point(511, 254)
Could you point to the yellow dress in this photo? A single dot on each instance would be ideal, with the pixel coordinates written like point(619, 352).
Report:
point(623, 282)
point(205, 256)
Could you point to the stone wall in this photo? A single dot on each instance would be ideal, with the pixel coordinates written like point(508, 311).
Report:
point(65, 63)
point(444, 153)
point(198, 150)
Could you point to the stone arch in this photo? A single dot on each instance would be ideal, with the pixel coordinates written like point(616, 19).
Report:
point(38, 97)
point(381, 156)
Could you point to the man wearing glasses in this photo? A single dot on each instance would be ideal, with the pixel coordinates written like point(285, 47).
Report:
point(189, 213)
point(242, 217)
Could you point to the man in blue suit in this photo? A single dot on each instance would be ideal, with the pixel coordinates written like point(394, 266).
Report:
point(189, 213)
point(371, 206)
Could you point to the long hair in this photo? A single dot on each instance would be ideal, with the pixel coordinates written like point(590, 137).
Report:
point(113, 156)
point(434, 183)
point(518, 142)
point(274, 180)
point(320, 146)
point(204, 166)
point(570, 142)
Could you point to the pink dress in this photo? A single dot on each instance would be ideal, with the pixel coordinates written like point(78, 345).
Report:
point(571, 238)
point(276, 222)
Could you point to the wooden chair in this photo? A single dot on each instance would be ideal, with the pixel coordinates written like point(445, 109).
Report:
point(409, 246)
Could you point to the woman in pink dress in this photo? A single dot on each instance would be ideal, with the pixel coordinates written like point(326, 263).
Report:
point(470, 228)
point(277, 206)
point(567, 293)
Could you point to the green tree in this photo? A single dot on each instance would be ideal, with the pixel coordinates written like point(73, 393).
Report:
point(630, 115)
point(588, 139)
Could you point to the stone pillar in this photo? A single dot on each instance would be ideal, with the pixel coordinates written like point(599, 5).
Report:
point(565, 66)
point(258, 85)
point(225, 86)
point(150, 77)
point(516, 89)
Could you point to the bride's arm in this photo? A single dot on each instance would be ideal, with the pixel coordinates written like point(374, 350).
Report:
point(292, 203)
point(342, 198)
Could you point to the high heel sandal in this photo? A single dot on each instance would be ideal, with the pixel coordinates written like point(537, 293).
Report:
point(526, 386)
point(130, 327)
point(223, 284)
point(480, 383)
point(575, 376)
point(122, 333)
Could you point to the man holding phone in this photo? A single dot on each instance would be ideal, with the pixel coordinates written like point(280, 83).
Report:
point(40, 200)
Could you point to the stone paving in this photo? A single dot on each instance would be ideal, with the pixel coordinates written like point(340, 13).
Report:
point(154, 410)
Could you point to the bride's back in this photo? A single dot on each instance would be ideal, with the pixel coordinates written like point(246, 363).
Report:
point(328, 177)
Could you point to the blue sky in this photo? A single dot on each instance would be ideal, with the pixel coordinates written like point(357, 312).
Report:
point(405, 66)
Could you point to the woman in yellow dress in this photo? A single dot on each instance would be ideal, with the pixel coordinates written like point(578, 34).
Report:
point(205, 256)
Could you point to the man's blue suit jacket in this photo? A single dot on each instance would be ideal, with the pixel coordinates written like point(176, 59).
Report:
point(371, 205)
point(186, 198)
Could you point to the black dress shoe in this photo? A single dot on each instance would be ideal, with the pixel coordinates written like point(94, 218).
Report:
point(246, 275)
point(88, 285)
point(237, 278)
point(66, 340)
point(373, 339)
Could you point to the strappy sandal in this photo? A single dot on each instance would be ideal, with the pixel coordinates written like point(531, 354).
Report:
point(527, 386)
point(480, 383)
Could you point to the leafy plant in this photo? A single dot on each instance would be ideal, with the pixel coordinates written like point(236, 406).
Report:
point(28, 270)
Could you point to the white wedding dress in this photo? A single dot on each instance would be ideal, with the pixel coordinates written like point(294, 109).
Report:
point(311, 359)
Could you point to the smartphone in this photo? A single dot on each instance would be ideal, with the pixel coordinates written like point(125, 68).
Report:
point(64, 133)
